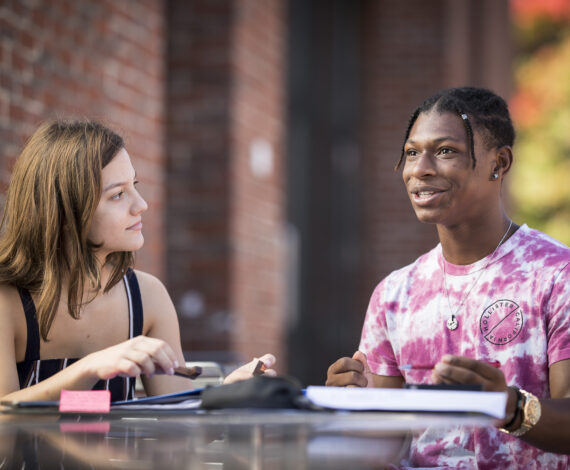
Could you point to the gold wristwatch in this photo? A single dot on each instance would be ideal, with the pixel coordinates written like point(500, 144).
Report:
point(530, 413)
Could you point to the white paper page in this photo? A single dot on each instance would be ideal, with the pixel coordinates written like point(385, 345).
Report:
point(397, 399)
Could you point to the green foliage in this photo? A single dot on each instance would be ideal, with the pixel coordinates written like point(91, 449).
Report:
point(540, 186)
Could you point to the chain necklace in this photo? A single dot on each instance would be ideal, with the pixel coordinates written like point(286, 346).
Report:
point(452, 322)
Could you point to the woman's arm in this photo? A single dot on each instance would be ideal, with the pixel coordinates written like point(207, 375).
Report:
point(139, 355)
point(161, 322)
point(130, 358)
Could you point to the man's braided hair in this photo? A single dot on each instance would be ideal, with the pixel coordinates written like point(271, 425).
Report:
point(478, 108)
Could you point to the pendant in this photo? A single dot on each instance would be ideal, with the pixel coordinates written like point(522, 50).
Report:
point(452, 323)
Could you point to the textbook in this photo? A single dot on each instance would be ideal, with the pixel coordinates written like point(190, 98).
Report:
point(402, 399)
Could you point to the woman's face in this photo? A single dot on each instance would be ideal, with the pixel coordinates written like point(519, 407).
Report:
point(117, 222)
point(441, 182)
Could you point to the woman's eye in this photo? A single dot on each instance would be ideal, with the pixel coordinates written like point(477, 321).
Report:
point(411, 153)
point(117, 196)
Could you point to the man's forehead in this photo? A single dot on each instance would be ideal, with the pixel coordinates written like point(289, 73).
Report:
point(435, 125)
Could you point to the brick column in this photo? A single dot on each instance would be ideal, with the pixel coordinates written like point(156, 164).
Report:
point(258, 177)
point(225, 139)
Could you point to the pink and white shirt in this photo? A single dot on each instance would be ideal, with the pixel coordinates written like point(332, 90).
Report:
point(512, 306)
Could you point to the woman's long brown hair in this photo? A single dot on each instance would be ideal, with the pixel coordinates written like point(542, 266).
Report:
point(53, 193)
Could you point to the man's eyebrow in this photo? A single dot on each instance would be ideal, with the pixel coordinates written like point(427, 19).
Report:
point(437, 140)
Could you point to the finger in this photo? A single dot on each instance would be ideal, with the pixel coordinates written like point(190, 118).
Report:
point(125, 368)
point(160, 353)
point(258, 366)
point(165, 361)
point(479, 367)
point(142, 360)
point(346, 379)
point(361, 357)
point(346, 364)
point(269, 360)
point(491, 380)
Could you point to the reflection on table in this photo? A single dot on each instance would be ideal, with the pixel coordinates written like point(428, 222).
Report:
point(221, 440)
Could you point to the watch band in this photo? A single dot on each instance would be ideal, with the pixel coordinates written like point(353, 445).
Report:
point(531, 411)
point(518, 409)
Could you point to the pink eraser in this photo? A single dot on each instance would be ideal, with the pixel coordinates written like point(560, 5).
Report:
point(85, 401)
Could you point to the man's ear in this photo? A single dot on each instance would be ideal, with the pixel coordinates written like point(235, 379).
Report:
point(503, 161)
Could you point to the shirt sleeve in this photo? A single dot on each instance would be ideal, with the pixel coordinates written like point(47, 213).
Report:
point(375, 339)
point(558, 315)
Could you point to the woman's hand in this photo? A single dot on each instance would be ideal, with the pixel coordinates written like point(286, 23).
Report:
point(137, 356)
point(246, 371)
point(350, 372)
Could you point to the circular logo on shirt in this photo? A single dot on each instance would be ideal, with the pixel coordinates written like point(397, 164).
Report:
point(501, 322)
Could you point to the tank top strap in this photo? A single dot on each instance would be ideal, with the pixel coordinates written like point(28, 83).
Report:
point(33, 330)
point(136, 317)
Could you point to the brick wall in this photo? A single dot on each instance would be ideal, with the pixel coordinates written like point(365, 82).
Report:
point(198, 103)
point(402, 50)
point(411, 49)
point(257, 170)
point(90, 58)
point(226, 201)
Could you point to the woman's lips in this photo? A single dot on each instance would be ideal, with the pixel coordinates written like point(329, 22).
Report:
point(137, 226)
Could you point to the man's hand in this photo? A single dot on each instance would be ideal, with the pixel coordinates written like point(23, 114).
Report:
point(463, 370)
point(350, 372)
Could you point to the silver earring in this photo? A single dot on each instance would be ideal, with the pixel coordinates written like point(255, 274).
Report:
point(495, 176)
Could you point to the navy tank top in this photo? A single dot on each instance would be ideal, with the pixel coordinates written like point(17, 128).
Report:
point(33, 369)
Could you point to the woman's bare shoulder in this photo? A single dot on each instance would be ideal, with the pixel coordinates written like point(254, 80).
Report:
point(9, 300)
point(149, 282)
point(12, 320)
point(153, 292)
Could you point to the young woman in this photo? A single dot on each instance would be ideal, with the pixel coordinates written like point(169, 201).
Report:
point(74, 313)
point(491, 291)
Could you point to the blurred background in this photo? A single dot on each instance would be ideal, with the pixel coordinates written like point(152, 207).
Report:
point(265, 132)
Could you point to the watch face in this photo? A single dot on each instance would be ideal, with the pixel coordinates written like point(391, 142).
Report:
point(532, 411)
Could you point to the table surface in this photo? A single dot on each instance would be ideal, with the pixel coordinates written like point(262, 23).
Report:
point(226, 439)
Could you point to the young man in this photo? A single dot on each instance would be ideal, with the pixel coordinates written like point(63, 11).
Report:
point(490, 291)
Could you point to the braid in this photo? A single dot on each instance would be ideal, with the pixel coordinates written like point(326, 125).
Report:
point(469, 130)
point(488, 112)
point(411, 122)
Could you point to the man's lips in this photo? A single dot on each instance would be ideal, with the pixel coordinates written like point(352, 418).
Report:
point(426, 195)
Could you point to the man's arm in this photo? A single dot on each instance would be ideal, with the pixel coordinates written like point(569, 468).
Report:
point(552, 431)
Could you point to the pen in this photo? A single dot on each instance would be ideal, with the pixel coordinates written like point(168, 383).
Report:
point(496, 364)
point(188, 372)
point(259, 368)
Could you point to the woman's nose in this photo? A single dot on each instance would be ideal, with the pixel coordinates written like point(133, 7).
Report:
point(139, 205)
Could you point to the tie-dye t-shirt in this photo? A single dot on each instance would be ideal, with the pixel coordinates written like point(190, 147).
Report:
point(512, 306)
